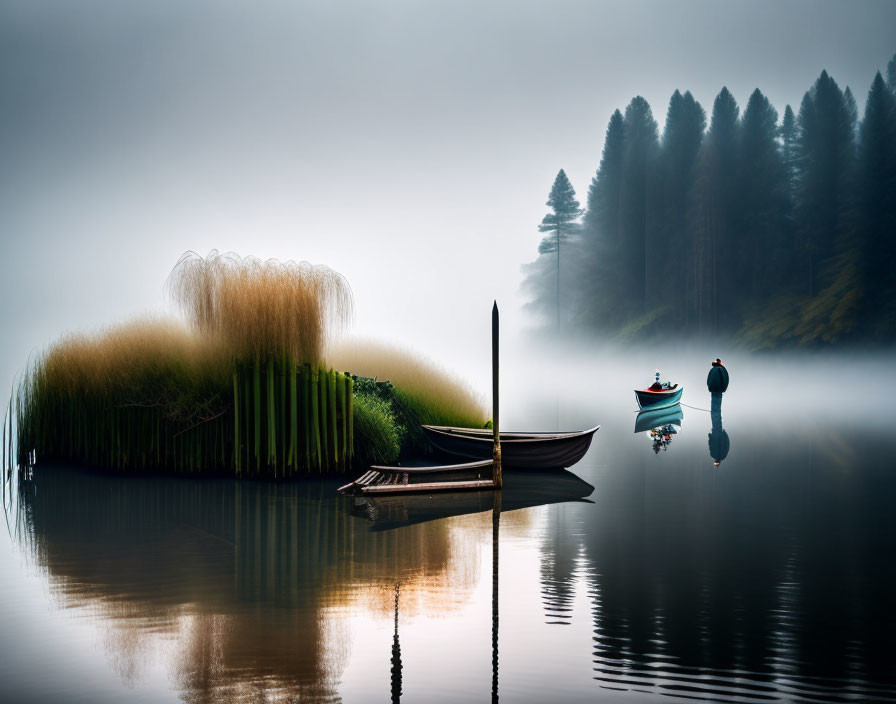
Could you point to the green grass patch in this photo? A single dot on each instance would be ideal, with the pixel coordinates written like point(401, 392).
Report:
point(377, 431)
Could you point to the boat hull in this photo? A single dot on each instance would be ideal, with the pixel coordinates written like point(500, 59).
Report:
point(654, 400)
point(518, 450)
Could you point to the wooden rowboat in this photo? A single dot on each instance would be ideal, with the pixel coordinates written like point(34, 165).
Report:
point(663, 398)
point(518, 450)
point(403, 480)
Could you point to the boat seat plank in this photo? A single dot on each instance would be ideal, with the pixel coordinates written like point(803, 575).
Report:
point(429, 486)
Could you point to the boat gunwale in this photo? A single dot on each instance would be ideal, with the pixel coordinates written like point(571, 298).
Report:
point(486, 436)
point(478, 464)
point(660, 391)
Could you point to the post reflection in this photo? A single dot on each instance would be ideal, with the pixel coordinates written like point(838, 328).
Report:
point(497, 498)
point(396, 656)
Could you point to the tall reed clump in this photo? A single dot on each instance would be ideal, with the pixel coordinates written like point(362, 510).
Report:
point(421, 392)
point(243, 390)
point(144, 394)
point(291, 414)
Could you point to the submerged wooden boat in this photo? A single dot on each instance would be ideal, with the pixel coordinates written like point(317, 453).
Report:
point(403, 480)
point(660, 398)
point(518, 450)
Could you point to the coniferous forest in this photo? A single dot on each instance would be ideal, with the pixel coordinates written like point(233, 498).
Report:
point(769, 229)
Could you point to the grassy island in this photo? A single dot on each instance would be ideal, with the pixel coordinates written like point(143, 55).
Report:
point(248, 386)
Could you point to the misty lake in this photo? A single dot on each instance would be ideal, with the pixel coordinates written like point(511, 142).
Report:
point(769, 576)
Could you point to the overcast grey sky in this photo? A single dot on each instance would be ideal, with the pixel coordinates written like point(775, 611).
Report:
point(408, 145)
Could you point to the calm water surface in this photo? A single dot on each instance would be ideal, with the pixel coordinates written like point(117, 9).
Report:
point(648, 574)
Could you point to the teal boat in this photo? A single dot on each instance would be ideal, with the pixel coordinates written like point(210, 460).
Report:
point(654, 399)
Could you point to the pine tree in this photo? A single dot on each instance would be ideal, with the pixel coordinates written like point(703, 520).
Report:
point(876, 206)
point(852, 110)
point(891, 75)
point(787, 134)
point(762, 249)
point(601, 231)
point(560, 223)
point(637, 208)
point(825, 152)
point(682, 136)
point(713, 216)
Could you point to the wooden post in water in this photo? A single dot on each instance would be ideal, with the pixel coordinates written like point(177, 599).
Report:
point(496, 455)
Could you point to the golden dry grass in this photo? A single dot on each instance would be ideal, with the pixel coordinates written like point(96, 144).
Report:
point(145, 361)
point(262, 308)
point(437, 396)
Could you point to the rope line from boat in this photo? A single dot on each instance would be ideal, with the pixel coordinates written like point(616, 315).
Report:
point(705, 410)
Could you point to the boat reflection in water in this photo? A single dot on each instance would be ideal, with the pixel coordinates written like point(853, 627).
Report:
point(661, 424)
point(719, 444)
point(522, 489)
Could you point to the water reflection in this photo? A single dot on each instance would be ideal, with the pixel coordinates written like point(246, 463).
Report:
point(237, 574)
point(496, 547)
point(660, 425)
point(244, 578)
point(396, 655)
point(719, 444)
point(522, 489)
point(771, 582)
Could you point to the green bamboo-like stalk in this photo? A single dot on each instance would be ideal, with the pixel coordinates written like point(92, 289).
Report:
point(283, 416)
point(257, 410)
point(293, 419)
point(247, 415)
point(334, 421)
point(272, 421)
point(306, 418)
point(223, 447)
point(314, 421)
point(236, 420)
point(340, 407)
point(350, 422)
point(324, 419)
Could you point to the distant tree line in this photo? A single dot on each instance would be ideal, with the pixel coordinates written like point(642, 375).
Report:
point(774, 232)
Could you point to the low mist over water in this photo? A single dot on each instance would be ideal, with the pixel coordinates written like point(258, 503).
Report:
point(762, 577)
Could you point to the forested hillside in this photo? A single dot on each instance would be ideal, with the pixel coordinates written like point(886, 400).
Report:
point(774, 230)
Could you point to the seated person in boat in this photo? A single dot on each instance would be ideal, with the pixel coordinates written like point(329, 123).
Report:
point(657, 386)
